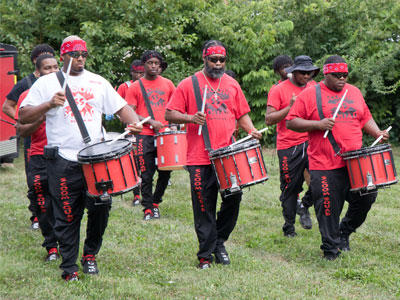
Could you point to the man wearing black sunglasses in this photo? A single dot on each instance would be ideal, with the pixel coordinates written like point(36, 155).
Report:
point(93, 96)
point(225, 104)
point(291, 146)
point(330, 184)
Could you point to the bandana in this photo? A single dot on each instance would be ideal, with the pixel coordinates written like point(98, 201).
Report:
point(76, 45)
point(336, 68)
point(137, 68)
point(214, 50)
point(152, 54)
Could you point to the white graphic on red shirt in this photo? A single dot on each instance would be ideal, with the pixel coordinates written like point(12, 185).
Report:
point(82, 97)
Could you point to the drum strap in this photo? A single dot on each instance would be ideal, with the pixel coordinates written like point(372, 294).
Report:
point(75, 110)
point(331, 138)
point(196, 89)
point(146, 100)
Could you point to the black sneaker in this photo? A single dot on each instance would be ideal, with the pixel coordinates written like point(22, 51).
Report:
point(35, 224)
point(204, 264)
point(344, 244)
point(331, 257)
point(70, 277)
point(52, 255)
point(148, 214)
point(305, 220)
point(136, 200)
point(222, 257)
point(290, 234)
point(156, 211)
point(89, 264)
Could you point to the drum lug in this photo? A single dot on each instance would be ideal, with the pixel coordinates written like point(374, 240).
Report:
point(370, 184)
point(104, 186)
point(234, 188)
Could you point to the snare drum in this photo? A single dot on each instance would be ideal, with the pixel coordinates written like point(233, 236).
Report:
point(238, 166)
point(370, 168)
point(171, 150)
point(109, 169)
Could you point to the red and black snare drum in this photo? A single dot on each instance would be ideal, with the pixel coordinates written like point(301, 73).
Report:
point(238, 166)
point(109, 169)
point(370, 168)
point(171, 150)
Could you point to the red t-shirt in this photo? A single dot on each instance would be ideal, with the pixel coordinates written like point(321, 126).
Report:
point(222, 114)
point(123, 88)
point(350, 120)
point(159, 91)
point(279, 98)
point(38, 138)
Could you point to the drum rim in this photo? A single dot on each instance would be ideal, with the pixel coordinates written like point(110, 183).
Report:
point(249, 183)
point(366, 151)
point(116, 193)
point(105, 156)
point(233, 150)
point(170, 132)
point(379, 185)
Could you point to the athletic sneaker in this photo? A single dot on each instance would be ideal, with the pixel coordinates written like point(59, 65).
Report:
point(290, 234)
point(148, 214)
point(52, 254)
point(222, 257)
point(70, 277)
point(331, 257)
point(89, 264)
point(136, 200)
point(35, 224)
point(156, 211)
point(344, 244)
point(305, 220)
point(204, 264)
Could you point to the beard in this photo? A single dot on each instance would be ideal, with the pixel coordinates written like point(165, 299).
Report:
point(214, 73)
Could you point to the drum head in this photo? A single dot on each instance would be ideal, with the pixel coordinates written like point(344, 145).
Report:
point(230, 149)
point(104, 151)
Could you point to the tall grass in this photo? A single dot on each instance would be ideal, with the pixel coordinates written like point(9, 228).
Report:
point(157, 259)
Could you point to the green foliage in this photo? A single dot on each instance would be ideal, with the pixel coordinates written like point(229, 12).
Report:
point(365, 33)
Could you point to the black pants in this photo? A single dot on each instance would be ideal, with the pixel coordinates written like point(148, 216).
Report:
point(330, 188)
point(67, 187)
point(37, 182)
point(292, 163)
point(146, 154)
point(212, 230)
point(31, 193)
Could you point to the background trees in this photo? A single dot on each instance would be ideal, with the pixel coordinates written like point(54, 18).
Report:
point(366, 33)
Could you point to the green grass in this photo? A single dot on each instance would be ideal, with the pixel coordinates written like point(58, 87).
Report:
point(157, 259)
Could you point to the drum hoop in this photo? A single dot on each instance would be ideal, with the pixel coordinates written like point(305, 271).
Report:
point(377, 186)
point(214, 155)
point(248, 184)
point(116, 193)
point(171, 132)
point(366, 151)
point(126, 149)
point(366, 154)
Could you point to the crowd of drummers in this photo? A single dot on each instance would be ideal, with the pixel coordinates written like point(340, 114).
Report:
point(73, 164)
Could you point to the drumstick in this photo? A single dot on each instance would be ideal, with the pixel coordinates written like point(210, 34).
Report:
point(127, 131)
point(248, 137)
point(336, 112)
point(203, 106)
point(380, 137)
point(67, 75)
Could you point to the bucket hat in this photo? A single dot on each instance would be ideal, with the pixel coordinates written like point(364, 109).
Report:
point(303, 63)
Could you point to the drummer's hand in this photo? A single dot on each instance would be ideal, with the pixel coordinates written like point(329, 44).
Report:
point(385, 135)
point(326, 124)
point(134, 128)
point(255, 134)
point(173, 128)
point(199, 118)
point(57, 100)
point(293, 99)
point(157, 125)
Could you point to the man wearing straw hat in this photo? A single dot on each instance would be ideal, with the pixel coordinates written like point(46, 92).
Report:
point(93, 96)
point(224, 104)
point(330, 184)
point(291, 146)
point(149, 97)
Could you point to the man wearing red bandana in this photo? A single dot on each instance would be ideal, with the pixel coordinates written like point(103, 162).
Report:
point(225, 104)
point(312, 112)
point(93, 96)
point(136, 71)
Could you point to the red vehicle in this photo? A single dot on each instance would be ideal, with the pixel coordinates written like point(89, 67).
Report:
point(8, 77)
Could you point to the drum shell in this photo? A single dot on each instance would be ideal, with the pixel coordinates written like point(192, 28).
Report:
point(370, 168)
point(244, 161)
point(117, 167)
point(171, 150)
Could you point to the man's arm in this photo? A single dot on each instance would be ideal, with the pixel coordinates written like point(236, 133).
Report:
point(128, 116)
point(27, 129)
point(302, 125)
point(373, 130)
point(176, 117)
point(9, 108)
point(273, 116)
point(247, 125)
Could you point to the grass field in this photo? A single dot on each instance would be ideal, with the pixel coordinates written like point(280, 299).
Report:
point(157, 259)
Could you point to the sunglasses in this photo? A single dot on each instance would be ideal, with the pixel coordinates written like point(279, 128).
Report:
point(340, 75)
point(76, 54)
point(306, 72)
point(215, 59)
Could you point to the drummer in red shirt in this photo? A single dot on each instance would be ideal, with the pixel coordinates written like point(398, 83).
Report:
point(291, 146)
point(225, 104)
point(158, 90)
point(330, 182)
